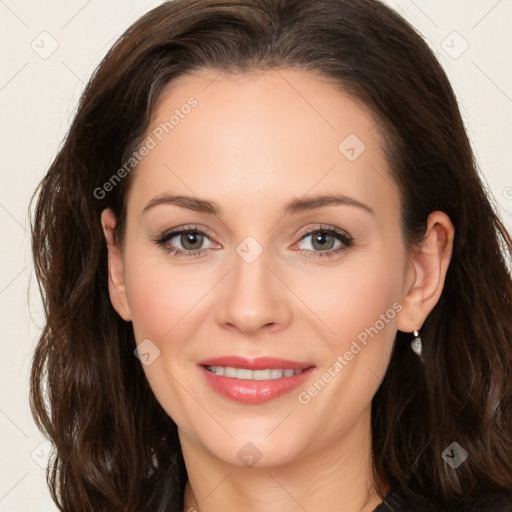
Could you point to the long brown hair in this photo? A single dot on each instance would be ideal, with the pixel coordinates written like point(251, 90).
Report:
point(115, 447)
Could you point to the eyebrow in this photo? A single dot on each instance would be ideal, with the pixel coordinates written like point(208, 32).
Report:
point(296, 205)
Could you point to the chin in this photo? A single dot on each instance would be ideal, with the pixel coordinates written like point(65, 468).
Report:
point(256, 449)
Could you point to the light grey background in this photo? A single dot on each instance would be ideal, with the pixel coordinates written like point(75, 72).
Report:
point(39, 91)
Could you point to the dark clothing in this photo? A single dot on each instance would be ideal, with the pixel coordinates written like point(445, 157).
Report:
point(397, 502)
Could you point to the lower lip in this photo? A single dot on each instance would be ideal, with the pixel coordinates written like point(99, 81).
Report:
point(255, 391)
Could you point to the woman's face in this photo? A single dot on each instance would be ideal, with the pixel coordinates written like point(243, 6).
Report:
point(248, 281)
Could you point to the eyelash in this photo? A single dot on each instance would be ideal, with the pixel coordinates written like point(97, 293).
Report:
point(339, 235)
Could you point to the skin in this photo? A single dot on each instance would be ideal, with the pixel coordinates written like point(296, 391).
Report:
point(253, 143)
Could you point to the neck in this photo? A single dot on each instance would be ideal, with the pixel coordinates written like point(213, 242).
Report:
point(338, 477)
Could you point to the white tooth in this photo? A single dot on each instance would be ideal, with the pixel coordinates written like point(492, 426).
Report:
point(229, 372)
point(246, 374)
point(243, 373)
point(261, 374)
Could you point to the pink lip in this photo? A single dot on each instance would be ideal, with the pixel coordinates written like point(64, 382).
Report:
point(255, 391)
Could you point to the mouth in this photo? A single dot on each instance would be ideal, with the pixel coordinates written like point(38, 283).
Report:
point(254, 381)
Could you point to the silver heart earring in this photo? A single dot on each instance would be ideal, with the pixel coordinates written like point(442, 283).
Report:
point(416, 344)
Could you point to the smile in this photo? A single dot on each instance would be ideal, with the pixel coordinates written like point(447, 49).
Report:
point(254, 380)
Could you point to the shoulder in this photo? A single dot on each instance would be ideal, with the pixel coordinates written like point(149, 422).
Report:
point(494, 502)
point(398, 501)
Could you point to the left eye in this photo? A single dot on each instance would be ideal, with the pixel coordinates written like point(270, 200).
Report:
point(323, 242)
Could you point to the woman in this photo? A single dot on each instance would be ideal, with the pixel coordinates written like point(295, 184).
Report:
point(272, 277)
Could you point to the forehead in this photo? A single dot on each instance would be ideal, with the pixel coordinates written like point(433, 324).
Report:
point(262, 135)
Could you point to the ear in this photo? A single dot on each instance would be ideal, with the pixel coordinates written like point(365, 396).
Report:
point(426, 272)
point(116, 283)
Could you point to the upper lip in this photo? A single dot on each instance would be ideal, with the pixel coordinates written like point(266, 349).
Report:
point(257, 363)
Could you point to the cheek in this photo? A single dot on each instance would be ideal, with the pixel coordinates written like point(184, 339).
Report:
point(165, 308)
point(154, 304)
point(359, 304)
point(363, 300)
point(161, 294)
point(355, 296)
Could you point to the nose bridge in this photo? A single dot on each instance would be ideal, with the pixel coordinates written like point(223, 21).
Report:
point(254, 297)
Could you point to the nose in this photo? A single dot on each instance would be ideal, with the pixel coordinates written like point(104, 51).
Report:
point(254, 299)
